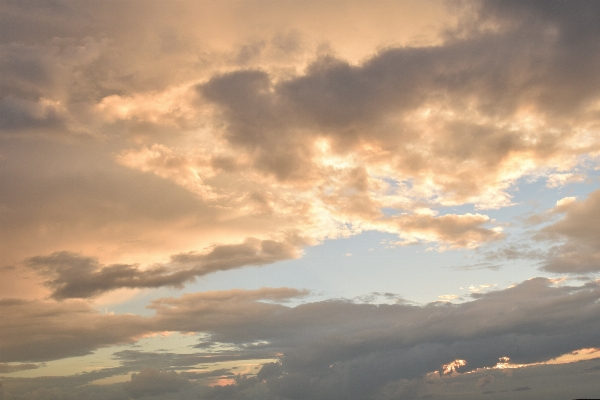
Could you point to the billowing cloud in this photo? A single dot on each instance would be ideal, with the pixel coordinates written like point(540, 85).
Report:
point(465, 140)
point(272, 134)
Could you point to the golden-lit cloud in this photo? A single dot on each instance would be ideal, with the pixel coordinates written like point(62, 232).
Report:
point(579, 234)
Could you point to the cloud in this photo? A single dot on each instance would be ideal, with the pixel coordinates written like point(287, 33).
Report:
point(7, 368)
point(453, 105)
point(578, 229)
point(285, 138)
point(153, 382)
point(38, 330)
point(71, 275)
point(331, 349)
point(344, 345)
point(18, 114)
point(134, 133)
point(451, 229)
point(558, 180)
point(484, 381)
point(63, 199)
point(42, 330)
point(136, 360)
point(347, 197)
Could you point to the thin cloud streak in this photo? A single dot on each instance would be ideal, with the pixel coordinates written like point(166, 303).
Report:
point(71, 275)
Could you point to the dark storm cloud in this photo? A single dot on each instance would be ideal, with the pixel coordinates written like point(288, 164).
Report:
point(546, 382)
point(71, 275)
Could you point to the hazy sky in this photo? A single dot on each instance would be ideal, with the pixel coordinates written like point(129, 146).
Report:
point(289, 200)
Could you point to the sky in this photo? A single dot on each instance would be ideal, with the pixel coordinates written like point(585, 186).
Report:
point(291, 200)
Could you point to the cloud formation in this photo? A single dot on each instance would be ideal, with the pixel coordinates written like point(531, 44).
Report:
point(407, 105)
point(38, 330)
point(153, 382)
point(332, 344)
point(276, 135)
point(72, 275)
point(580, 233)
point(146, 144)
point(328, 350)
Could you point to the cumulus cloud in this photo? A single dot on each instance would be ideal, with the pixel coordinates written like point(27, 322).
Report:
point(407, 105)
point(447, 124)
point(345, 197)
point(328, 149)
point(71, 275)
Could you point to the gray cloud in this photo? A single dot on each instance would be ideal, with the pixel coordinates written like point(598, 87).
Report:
point(484, 381)
point(7, 368)
point(71, 275)
point(18, 114)
point(332, 349)
point(40, 330)
point(515, 251)
point(150, 381)
point(545, 382)
point(136, 360)
point(356, 348)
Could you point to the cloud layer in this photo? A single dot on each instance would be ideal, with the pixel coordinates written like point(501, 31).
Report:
point(331, 349)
